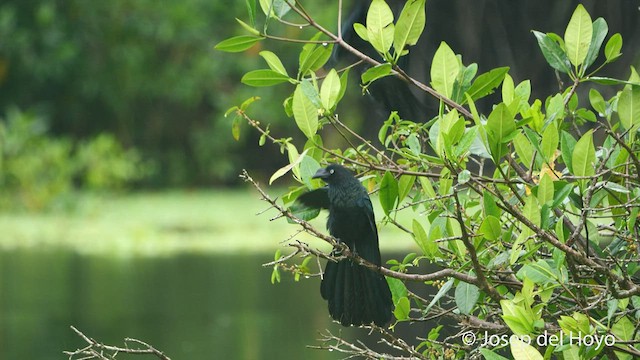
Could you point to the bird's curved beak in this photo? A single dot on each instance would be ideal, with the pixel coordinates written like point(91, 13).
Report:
point(322, 173)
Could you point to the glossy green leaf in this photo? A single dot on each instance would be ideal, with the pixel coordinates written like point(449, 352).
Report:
point(523, 351)
point(405, 184)
point(410, 25)
point(584, 156)
point(599, 32)
point(539, 272)
point(524, 150)
point(314, 57)
point(466, 296)
point(577, 37)
point(490, 355)
point(567, 145)
point(274, 62)
point(304, 113)
point(500, 124)
point(361, 30)
point(398, 289)
point(491, 228)
point(388, 192)
point(376, 72)
point(402, 309)
point(380, 28)
point(444, 70)
point(330, 90)
point(251, 9)
point(285, 169)
point(428, 246)
point(486, 83)
point(629, 107)
point(597, 101)
point(549, 143)
point(545, 190)
point(248, 27)
point(552, 52)
point(238, 43)
point(264, 77)
point(613, 47)
point(508, 89)
point(274, 8)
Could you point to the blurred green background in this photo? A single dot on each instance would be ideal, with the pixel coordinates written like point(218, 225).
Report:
point(121, 212)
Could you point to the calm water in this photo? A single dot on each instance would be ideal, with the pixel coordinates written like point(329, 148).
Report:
point(189, 306)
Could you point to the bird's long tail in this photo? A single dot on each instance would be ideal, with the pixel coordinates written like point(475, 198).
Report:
point(356, 295)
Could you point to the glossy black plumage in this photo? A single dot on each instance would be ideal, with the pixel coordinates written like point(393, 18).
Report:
point(356, 295)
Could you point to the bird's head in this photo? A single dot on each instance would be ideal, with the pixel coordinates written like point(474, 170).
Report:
point(333, 173)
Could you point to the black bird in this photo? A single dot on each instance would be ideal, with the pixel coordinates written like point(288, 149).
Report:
point(356, 295)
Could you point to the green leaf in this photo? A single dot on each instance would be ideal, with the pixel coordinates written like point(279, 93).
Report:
point(584, 157)
point(304, 113)
point(523, 351)
point(490, 355)
point(361, 30)
point(238, 43)
point(577, 37)
point(444, 70)
point(380, 28)
point(251, 8)
point(314, 56)
point(285, 169)
point(405, 184)
point(500, 124)
point(410, 25)
point(623, 329)
point(629, 107)
point(248, 27)
point(508, 89)
point(330, 90)
point(302, 212)
point(545, 189)
point(279, 8)
point(600, 29)
point(487, 82)
point(540, 272)
point(375, 73)
point(388, 192)
point(402, 309)
point(398, 289)
point(264, 77)
point(567, 146)
point(235, 127)
point(597, 101)
point(344, 80)
point(491, 228)
point(524, 149)
point(466, 296)
point(274, 62)
point(428, 246)
point(552, 52)
point(613, 47)
point(549, 143)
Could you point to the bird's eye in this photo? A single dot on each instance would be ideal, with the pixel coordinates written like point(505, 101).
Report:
point(331, 171)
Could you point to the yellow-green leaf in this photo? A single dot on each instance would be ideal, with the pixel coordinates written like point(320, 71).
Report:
point(444, 70)
point(330, 90)
point(577, 37)
point(304, 113)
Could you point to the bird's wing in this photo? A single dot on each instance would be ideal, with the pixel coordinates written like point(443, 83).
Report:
point(317, 199)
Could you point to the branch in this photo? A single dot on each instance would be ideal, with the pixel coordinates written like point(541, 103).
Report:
point(96, 350)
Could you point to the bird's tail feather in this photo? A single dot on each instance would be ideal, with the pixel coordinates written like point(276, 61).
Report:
point(356, 295)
